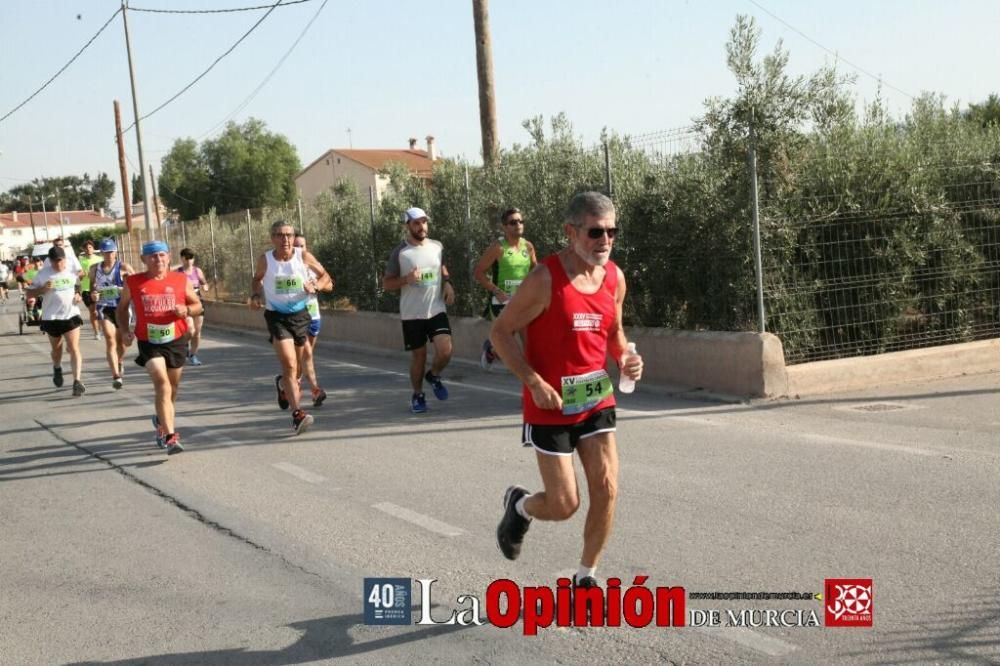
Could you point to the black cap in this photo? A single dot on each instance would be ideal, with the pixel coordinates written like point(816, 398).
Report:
point(56, 252)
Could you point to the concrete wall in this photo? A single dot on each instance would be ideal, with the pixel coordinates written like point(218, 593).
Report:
point(738, 364)
point(744, 365)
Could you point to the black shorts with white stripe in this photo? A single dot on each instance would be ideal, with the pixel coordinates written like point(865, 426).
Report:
point(561, 440)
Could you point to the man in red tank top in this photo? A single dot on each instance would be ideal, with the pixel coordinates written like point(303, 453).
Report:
point(570, 308)
point(163, 300)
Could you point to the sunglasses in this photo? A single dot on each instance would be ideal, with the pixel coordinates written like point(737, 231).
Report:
point(597, 232)
point(510, 223)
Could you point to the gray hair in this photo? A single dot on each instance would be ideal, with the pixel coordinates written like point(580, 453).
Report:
point(277, 224)
point(588, 204)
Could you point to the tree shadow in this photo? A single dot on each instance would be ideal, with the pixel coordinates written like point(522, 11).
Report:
point(969, 633)
point(321, 638)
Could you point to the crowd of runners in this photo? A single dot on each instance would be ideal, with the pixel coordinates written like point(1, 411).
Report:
point(556, 322)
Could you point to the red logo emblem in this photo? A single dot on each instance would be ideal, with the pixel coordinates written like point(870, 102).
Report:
point(848, 602)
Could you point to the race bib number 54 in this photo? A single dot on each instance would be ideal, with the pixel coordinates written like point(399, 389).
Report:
point(581, 393)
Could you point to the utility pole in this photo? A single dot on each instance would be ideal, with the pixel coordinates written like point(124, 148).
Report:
point(138, 130)
point(156, 200)
point(45, 217)
point(484, 72)
point(121, 167)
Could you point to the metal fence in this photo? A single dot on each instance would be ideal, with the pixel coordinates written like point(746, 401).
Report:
point(846, 268)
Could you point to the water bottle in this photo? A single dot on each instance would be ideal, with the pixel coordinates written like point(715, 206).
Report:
point(626, 384)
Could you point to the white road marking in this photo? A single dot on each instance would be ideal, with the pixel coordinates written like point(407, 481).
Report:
point(774, 647)
point(898, 448)
point(298, 472)
point(420, 519)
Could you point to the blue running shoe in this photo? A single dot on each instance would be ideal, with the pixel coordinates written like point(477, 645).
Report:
point(418, 404)
point(440, 391)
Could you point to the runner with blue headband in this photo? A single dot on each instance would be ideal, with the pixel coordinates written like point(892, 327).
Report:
point(163, 301)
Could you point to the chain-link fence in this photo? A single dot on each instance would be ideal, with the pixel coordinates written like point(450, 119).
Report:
point(878, 242)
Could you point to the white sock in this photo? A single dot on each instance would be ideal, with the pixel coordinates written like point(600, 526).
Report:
point(583, 571)
point(519, 507)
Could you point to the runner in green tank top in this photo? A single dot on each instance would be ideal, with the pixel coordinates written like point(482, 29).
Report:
point(512, 257)
point(87, 259)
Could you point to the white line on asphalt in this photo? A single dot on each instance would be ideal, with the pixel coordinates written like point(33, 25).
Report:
point(517, 394)
point(898, 448)
point(298, 472)
point(420, 519)
point(774, 647)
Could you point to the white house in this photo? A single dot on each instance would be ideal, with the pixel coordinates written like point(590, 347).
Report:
point(362, 166)
point(20, 229)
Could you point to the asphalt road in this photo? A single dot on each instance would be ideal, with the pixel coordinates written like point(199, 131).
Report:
point(252, 546)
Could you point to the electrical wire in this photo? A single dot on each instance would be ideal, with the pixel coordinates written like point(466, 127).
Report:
point(213, 11)
point(267, 78)
point(210, 67)
point(831, 52)
point(63, 68)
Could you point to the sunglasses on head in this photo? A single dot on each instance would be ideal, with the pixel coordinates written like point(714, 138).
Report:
point(596, 232)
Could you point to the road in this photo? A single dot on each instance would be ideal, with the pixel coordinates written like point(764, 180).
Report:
point(252, 546)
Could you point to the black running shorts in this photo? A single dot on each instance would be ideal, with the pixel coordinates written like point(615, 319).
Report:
point(108, 312)
point(561, 440)
point(56, 328)
point(416, 332)
point(87, 300)
point(174, 353)
point(294, 326)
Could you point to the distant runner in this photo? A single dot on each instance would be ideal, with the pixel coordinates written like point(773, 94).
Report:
point(163, 301)
point(197, 279)
point(307, 368)
point(512, 257)
point(281, 285)
point(60, 286)
point(107, 280)
point(87, 259)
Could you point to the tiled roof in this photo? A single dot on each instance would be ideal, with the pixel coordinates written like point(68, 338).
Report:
point(70, 217)
point(376, 159)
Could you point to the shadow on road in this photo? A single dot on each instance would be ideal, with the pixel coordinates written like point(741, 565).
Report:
point(322, 638)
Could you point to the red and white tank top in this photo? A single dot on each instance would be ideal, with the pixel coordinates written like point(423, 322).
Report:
point(155, 300)
point(568, 345)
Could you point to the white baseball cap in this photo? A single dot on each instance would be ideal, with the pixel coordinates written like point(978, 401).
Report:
point(414, 213)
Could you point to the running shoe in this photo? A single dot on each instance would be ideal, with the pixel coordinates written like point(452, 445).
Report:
point(78, 388)
point(98, 336)
point(282, 400)
point(319, 395)
point(440, 390)
point(161, 437)
point(194, 360)
point(418, 403)
point(585, 582)
point(117, 383)
point(173, 444)
point(513, 526)
point(301, 421)
point(487, 357)
point(57, 377)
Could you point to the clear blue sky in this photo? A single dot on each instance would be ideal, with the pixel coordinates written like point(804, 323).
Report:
point(392, 69)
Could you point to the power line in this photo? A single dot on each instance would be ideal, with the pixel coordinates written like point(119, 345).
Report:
point(63, 68)
point(831, 52)
point(210, 67)
point(213, 11)
point(273, 71)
